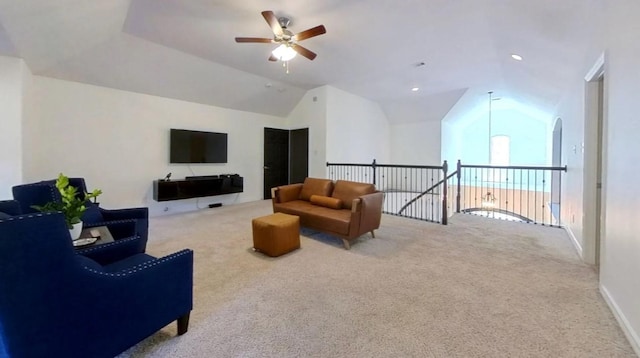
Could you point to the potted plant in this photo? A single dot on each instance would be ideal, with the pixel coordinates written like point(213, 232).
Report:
point(72, 204)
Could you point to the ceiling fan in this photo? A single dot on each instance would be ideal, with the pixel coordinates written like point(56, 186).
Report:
point(287, 40)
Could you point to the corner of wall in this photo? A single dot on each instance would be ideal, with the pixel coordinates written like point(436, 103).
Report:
point(627, 328)
point(574, 241)
point(311, 112)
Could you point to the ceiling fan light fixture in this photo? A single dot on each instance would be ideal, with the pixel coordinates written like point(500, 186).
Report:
point(284, 53)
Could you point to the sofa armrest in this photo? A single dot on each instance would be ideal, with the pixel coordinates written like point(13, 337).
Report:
point(367, 211)
point(285, 193)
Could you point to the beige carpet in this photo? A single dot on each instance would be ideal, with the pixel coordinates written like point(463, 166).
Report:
point(474, 288)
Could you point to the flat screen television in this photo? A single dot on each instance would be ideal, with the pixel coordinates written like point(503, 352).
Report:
point(187, 146)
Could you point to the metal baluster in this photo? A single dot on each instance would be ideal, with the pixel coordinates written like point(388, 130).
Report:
point(506, 189)
point(535, 195)
point(513, 190)
point(560, 199)
point(521, 212)
point(475, 188)
point(544, 186)
point(493, 192)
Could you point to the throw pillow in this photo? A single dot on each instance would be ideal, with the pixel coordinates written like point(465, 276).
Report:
point(326, 201)
point(314, 186)
point(349, 190)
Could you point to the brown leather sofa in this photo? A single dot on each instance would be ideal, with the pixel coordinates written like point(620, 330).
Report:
point(345, 209)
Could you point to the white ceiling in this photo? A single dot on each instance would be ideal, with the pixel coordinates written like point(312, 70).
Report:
point(185, 49)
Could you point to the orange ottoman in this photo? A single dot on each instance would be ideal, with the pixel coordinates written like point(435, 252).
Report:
point(276, 234)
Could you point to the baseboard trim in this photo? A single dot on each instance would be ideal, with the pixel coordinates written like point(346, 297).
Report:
point(629, 332)
point(574, 240)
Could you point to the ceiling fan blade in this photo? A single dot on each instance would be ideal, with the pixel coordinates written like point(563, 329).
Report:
point(253, 39)
point(315, 31)
point(303, 51)
point(273, 58)
point(272, 20)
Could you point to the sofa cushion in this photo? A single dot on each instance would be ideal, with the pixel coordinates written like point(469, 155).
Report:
point(295, 207)
point(315, 186)
point(317, 217)
point(349, 190)
point(326, 201)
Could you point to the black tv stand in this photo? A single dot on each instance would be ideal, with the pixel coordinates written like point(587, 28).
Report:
point(197, 186)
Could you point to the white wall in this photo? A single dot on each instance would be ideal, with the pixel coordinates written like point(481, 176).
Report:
point(342, 128)
point(572, 114)
point(450, 143)
point(620, 250)
point(119, 142)
point(416, 143)
point(311, 112)
point(357, 129)
point(12, 74)
point(620, 247)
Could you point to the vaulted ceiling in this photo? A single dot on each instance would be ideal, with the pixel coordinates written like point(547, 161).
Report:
point(185, 49)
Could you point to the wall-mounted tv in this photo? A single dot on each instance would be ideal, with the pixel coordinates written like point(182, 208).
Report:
point(187, 146)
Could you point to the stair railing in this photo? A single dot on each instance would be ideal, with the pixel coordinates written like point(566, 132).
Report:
point(413, 191)
point(529, 194)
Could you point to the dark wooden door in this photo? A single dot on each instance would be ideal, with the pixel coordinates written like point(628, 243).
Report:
point(298, 155)
point(276, 159)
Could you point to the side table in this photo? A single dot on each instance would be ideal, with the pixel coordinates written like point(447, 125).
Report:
point(103, 238)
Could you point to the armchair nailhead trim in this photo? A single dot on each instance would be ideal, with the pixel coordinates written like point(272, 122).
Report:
point(141, 267)
point(106, 223)
point(30, 216)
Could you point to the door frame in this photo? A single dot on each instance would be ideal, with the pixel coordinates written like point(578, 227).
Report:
point(266, 189)
point(290, 158)
point(594, 164)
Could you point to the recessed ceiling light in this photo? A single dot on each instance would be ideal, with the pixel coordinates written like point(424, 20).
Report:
point(415, 89)
point(516, 57)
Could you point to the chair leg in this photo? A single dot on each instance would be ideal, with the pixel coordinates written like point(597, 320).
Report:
point(373, 235)
point(346, 244)
point(183, 324)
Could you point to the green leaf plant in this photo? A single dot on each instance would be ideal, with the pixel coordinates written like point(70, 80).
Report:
point(72, 205)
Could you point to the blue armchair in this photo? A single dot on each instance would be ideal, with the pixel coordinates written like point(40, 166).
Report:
point(68, 305)
point(45, 191)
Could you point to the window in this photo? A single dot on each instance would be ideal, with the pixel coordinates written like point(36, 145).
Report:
point(500, 146)
point(499, 157)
